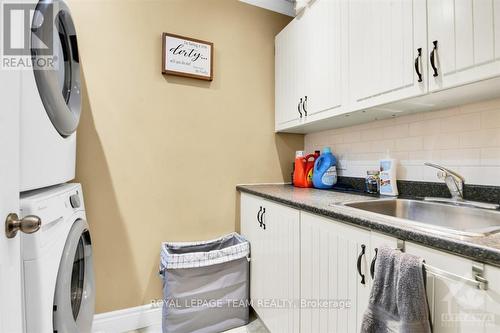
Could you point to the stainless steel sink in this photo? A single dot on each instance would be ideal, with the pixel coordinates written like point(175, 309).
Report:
point(438, 217)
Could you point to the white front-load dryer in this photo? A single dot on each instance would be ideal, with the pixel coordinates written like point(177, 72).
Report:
point(50, 98)
point(58, 276)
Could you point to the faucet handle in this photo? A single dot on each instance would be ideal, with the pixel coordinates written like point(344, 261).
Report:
point(443, 172)
point(453, 180)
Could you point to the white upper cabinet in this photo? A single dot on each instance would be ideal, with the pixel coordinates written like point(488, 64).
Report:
point(287, 66)
point(322, 47)
point(344, 62)
point(387, 51)
point(309, 71)
point(463, 41)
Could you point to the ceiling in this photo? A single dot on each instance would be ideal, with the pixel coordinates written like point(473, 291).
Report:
point(285, 7)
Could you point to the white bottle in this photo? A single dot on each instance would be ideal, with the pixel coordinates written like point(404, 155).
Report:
point(388, 182)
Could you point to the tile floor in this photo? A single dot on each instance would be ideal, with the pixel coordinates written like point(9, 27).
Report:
point(255, 326)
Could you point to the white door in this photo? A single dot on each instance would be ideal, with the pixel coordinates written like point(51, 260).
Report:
point(325, 66)
point(250, 211)
point(273, 233)
point(454, 305)
point(282, 273)
point(330, 252)
point(10, 262)
point(465, 38)
point(376, 241)
point(288, 109)
point(387, 50)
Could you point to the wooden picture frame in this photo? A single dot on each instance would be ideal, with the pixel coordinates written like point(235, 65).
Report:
point(180, 53)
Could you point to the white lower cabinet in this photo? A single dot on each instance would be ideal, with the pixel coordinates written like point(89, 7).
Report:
point(329, 277)
point(454, 305)
point(274, 266)
point(313, 261)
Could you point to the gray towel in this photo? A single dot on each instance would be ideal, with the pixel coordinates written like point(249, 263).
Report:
point(398, 302)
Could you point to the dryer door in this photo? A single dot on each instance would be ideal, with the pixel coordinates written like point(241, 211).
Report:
point(59, 86)
point(74, 297)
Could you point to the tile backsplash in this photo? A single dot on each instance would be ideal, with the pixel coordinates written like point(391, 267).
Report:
point(465, 139)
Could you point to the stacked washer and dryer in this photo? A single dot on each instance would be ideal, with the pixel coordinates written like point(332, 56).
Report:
point(57, 265)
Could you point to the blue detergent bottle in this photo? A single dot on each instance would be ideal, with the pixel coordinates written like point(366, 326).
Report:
point(325, 170)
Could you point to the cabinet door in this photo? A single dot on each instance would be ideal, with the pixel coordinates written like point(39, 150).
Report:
point(467, 33)
point(274, 267)
point(376, 241)
point(385, 37)
point(282, 274)
point(454, 305)
point(322, 55)
point(251, 230)
point(329, 254)
point(287, 78)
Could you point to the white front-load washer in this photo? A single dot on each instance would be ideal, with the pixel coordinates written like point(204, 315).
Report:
point(50, 98)
point(58, 276)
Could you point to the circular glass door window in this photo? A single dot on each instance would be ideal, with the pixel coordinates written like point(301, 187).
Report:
point(58, 82)
point(77, 278)
point(74, 296)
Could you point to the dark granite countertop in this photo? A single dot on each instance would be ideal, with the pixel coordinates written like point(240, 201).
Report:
point(329, 204)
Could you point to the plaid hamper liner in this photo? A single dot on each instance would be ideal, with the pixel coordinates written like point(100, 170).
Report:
point(205, 285)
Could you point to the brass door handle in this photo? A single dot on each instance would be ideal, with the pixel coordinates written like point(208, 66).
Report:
point(28, 224)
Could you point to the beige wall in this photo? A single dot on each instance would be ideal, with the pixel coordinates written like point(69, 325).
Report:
point(159, 156)
point(465, 138)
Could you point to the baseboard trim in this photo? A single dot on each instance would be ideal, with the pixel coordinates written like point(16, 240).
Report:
point(125, 320)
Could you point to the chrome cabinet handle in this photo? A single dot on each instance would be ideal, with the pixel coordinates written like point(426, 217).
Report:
point(28, 224)
point(298, 108)
point(417, 64)
point(372, 266)
point(304, 104)
point(363, 246)
point(433, 58)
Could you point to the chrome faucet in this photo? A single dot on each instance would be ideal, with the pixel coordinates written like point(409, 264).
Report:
point(453, 180)
point(455, 183)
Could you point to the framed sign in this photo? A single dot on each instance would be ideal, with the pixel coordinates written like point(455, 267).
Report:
point(188, 57)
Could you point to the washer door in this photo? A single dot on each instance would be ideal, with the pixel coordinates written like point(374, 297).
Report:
point(74, 297)
point(59, 87)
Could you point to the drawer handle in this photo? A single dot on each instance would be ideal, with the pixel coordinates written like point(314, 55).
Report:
point(304, 104)
point(417, 64)
point(363, 246)
point(372, 266)
point(433, 58)
point(298, 108)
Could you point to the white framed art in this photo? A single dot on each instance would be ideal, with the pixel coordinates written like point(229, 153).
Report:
point(189, 57)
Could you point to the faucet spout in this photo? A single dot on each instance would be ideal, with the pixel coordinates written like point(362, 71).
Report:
point(452, 179)
point(455, 183)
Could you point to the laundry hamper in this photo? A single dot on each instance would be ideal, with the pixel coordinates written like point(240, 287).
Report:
point(205, 285)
